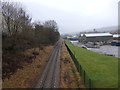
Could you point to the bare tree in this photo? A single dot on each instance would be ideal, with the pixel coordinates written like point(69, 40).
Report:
point(7, 12)
point(15, 17)
point(51, 24)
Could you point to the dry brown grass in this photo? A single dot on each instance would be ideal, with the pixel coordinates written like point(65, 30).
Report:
point(69, 77)
point(28, 76)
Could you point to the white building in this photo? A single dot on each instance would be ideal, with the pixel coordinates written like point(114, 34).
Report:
point(96, 37)
point(116, 35)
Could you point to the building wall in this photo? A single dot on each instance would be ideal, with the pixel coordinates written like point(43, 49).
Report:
point(97, 39)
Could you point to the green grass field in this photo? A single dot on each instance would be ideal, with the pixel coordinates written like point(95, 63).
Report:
point(102, 69)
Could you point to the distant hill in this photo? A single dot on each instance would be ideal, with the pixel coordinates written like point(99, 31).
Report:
point(112, 28)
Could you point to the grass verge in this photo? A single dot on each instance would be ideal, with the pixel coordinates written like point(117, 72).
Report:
point(102, 69)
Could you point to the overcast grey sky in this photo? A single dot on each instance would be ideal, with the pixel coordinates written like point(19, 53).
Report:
point(74, 15)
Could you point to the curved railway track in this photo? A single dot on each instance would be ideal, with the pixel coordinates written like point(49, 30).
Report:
point(50, 76)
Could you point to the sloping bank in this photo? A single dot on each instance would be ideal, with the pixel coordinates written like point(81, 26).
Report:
point(27, 76)
point(102, 69)
point(69, 76)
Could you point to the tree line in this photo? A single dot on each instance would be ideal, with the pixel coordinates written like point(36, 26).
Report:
point(19, 33)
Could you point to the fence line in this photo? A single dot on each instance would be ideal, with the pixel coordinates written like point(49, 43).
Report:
point(87, 81)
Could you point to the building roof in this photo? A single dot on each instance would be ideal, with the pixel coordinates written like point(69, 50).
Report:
point(75, 36)
point(81, 35)
point(116, 35)
point(97, 34)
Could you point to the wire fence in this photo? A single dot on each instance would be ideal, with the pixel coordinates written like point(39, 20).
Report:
point(87, 81)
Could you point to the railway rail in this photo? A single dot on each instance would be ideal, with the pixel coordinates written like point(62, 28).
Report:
point(50, 76)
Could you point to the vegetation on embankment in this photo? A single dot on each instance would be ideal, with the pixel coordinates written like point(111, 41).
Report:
point(69, 76)
point(20, 34)
point(102, 69)
point(31, 70)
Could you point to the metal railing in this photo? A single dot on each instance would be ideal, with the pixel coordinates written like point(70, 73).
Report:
point(87, 81)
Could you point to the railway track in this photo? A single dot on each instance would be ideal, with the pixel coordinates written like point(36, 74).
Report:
point(50, 76)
